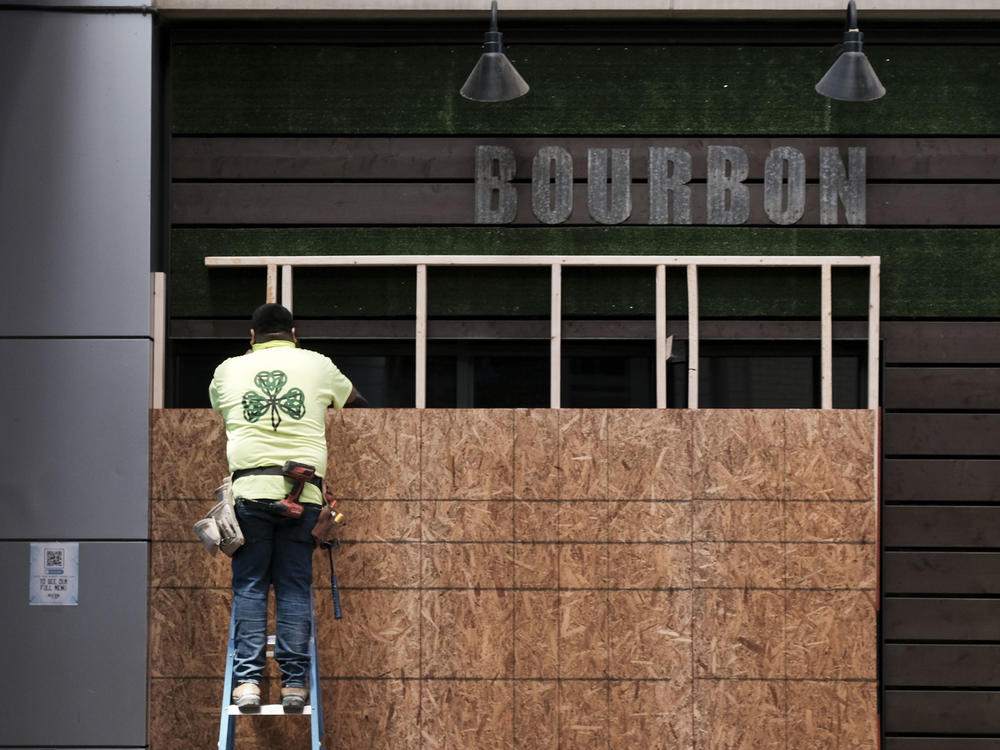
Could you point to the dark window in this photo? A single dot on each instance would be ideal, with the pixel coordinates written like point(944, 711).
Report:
point(595, 373)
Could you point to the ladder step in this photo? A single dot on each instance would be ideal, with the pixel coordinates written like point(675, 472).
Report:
point(270, 709)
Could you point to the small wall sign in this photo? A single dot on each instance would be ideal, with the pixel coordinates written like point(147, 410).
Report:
point(55, 573)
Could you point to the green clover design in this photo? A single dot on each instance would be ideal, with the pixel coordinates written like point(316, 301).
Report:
point(256, 406)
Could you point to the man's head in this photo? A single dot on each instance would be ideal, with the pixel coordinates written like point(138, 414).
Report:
point(271, 322)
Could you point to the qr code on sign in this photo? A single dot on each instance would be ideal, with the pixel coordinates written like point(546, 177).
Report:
point(54, 558)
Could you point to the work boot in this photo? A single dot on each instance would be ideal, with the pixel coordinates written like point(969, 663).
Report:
point(246, 697)
point(293, 699)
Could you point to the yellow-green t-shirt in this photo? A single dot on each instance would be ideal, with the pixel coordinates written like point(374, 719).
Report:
point(274, 401)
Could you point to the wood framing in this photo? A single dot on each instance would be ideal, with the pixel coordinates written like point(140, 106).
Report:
point(556, 263)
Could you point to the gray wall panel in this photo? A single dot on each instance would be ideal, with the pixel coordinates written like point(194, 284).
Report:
point(74, 461)
point(75, 166)
point(76, 676)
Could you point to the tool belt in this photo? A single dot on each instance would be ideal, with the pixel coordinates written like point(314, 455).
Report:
point(277, 471)
point(300, 474)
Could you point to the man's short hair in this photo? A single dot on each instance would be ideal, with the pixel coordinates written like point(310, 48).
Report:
point(271, 318)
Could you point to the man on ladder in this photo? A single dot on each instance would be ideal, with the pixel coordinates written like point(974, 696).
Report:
point(273, 400)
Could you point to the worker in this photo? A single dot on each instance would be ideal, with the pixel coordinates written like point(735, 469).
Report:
point(273, 400)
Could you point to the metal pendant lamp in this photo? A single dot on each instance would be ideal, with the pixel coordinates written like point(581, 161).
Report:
point(494, 78)
point(851, 78)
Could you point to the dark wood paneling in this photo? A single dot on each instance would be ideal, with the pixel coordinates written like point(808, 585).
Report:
point(940, 619)
point(941, 434)
point(941, 712)
point(941, 743)
point(942, 342)
point(941, 573)
point(941, 387)
point(941, 665)
point(941, 526)
point(447, 159)
point(931, 480)
point(278, 203)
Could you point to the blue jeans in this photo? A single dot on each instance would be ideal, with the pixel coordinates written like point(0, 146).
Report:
point(276, 551)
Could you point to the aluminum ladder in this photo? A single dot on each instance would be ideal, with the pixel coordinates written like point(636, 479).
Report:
point(313, 709)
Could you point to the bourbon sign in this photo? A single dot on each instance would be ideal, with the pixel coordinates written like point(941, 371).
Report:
point(726, 193)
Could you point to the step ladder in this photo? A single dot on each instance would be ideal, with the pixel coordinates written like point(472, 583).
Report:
point(313, 709)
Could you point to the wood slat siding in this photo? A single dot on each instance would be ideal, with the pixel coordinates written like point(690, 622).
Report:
point(931, 480)
point(447, 159)
point(942, 434)
point(938, 743)
point(942, 712)
point(941, 526)
point(944, 665)
point(938, 619)
point(941, 554)
point(428, 204)
point(943, 342)
point(942, 388)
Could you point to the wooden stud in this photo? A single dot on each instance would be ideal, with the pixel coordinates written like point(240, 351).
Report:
point(555, 346)
point(692, 290)
point(826, 337)
point(158, 331)
point(286, 286)
point(271, 288)
point(421, 338)
point(661, 336)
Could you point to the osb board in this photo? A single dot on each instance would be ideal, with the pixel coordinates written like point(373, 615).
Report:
point(536, 578)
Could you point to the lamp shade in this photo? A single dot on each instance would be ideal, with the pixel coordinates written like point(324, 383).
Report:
point(494, 79)
point(851, 78)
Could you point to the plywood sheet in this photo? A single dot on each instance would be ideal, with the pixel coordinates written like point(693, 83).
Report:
point(653, 715)
point(540, 578)
point(739, 565)
point(821, 521)
point(536, 454)
point(536, 714)
point(739, 521)
point(739, 454)
point(831, 635)
point(650, 566)
point(379, 635)
point(739, 633)
point(583, 454)
point(467, 565)
point(839, 715)
point(373, 453)
point(649, 521)
point(583, 521)
point(650, 635)
point(583, 634)
point(457, 713)
point(467, 633)
point(536, 634)
point(187, 453)
point(536, 520)
point(830, 454)
point(649, 454)
point(741, 714)
point(467, 453)
point(583, 714)
point(364, 565)
point(536, 565)
point(187, 564)
point(380, 714)
point(193, 644)
point(831, 566)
